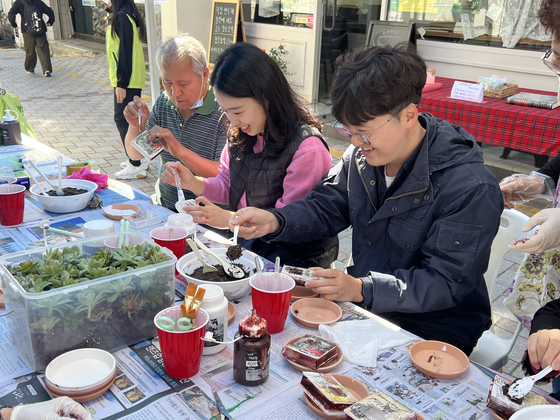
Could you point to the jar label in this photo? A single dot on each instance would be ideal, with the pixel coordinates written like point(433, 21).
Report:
point(256, 365)
point(217, 328)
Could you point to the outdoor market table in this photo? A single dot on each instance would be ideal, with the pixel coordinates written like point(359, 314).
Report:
point(147, 392)
point(527, 129)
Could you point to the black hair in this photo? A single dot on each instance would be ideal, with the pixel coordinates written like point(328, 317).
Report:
point(117, 6)
point(376, 81)
point(245, 71)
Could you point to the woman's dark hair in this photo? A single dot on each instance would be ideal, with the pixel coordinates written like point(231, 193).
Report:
point(549, 16)
point(120, 6)
point(376, 81)
point(245, 71)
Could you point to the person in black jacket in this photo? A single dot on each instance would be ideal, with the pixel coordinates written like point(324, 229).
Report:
point(34, 31)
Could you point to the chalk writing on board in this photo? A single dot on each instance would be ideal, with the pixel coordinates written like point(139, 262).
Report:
point(381, 33)
point(224, 25)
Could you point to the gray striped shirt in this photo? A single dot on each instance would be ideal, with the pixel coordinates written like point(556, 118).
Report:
point(203, 132)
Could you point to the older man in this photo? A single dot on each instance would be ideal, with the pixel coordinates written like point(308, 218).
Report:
point(186, 118)
point(423, 207)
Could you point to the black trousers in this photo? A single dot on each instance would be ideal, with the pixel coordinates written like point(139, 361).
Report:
point(34, 45)
point(120, 120)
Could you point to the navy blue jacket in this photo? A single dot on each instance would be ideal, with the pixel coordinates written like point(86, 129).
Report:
point(432, 231)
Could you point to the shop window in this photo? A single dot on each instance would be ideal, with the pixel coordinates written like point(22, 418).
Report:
point(298, 13)
point(496, 23)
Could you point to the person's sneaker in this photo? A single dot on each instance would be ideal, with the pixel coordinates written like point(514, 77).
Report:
point(32, 73)
point(127, 162)
point(132, 172)
point(47, 74)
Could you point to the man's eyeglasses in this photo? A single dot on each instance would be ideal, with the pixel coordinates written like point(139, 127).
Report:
point(361, 137)
point(547, 60)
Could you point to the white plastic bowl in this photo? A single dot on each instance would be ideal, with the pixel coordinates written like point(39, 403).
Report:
point(232, 289)
point(64, 204)
point(80, 370)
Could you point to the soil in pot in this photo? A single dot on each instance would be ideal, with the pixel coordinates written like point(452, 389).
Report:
point(68, 191)
point(218, 276)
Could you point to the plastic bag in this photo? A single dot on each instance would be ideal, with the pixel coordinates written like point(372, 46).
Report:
point(493, 82)
point(521, 188)
point(85, 173)
point(9, 101)
point(361, 340)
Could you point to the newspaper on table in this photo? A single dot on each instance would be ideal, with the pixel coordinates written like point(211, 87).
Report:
point(142, 389)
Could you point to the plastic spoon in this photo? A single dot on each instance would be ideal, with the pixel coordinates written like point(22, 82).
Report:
point(206, 268)
point(42, 174)
point(28, 170)
point(235, 249)
point(522, 387)
point(230, 269)
point(277, 265)
point(59, 191)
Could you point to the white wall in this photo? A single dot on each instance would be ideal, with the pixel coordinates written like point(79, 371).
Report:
point(300, 42)
point(191, 16)
point(467, 62)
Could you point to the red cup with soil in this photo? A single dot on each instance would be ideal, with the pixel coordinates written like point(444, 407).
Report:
point(12, 204)
point(181, 350)
point(271, 293)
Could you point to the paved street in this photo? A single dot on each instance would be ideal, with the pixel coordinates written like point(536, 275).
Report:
point(73, 113)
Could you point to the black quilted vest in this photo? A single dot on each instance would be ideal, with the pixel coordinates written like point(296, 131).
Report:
point(261, 177)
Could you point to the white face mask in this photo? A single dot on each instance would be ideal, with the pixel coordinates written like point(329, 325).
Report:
point(200, 100)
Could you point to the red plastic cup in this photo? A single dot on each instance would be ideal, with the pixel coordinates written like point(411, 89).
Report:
point(12, 204)
point(182, 350)
point(271, 294)
point(172, 237)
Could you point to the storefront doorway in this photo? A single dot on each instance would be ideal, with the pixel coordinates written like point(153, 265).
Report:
point(344, 26)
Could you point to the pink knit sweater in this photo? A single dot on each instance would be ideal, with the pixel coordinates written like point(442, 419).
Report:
point(310, 163)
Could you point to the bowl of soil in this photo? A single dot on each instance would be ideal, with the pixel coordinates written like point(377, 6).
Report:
point(77, 193)
point(191, 269)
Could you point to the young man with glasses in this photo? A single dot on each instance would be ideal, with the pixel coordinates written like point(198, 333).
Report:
point(422, 204)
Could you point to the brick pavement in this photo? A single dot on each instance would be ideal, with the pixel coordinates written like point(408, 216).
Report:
point(73, 113)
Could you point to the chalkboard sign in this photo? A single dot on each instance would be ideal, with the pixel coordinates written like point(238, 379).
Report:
point(382, 33)
point(227, 27)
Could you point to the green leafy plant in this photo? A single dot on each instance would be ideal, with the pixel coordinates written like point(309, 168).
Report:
point(108, 315)
point(279, 55)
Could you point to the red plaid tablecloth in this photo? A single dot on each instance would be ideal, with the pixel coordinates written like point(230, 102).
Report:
point(531, 130)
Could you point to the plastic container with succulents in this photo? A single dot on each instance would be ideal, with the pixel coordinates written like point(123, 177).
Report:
point(85, 295)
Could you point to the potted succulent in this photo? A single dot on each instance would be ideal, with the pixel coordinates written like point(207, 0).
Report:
point(66, 299)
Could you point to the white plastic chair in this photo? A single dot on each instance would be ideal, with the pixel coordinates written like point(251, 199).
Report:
point(492, 351)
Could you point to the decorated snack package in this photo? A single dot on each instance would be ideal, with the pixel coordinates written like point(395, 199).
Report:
point(379, 406)
point(326, 392)
point(300, 275)
point(504, 406)
point(311, 351)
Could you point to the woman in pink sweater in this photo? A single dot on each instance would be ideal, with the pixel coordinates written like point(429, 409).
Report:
point(275, 153)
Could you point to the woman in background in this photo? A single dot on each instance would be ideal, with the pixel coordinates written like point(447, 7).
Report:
point(275, 153)
point(127, 70)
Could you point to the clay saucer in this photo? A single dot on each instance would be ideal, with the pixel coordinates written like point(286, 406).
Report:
point(438, 359)
point(86, 395)
point(313, 312)
point(323, 369)
point(115, 211)
point(231, 310)
point(355, 387)
point(301, 292)
point(494, 415)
